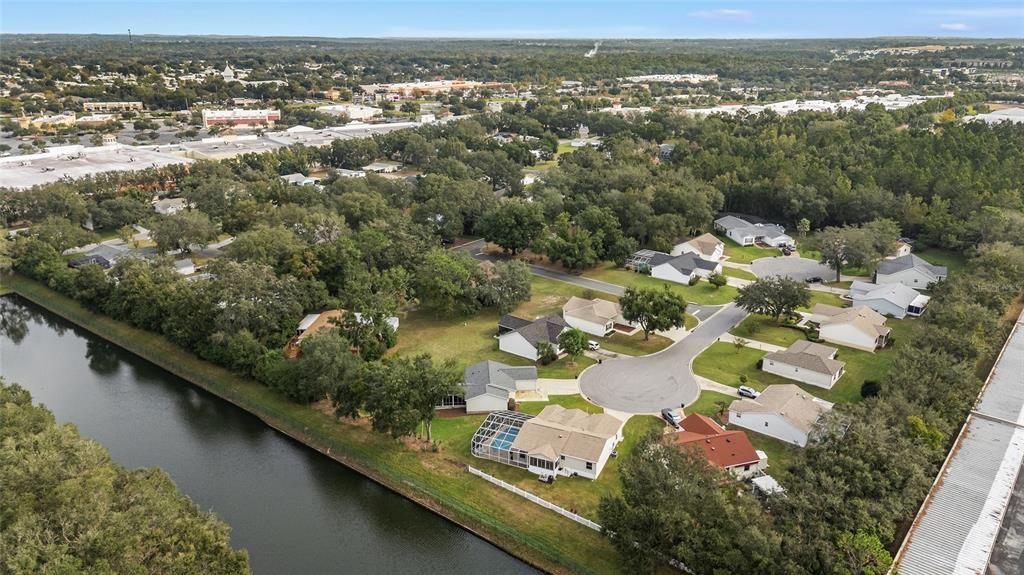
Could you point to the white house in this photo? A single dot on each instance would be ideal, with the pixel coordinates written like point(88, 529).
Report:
point(525, 340)
point(298, 179)
point(488, 385)
point(807, 362)
point(568, 442)
point(169, 206)
point(678, 269)
point(596, 316)
point(894, 300)
point(747, 234)
point(706, 246)
point(784, 412)
point(910, 271)
point(382, 167)
point(858, 327)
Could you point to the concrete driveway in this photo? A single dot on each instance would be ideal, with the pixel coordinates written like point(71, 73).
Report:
point(795, 268)
point(652, 382)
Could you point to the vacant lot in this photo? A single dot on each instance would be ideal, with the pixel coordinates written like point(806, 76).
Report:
point(764, 328)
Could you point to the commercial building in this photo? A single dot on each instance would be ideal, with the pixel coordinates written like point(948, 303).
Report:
point(111, 106)
point(240, 117)
point(414, 89)
point(353, 111)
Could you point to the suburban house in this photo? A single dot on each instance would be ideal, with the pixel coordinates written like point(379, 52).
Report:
point(107, 254)
point(596, 316)
point(894, 300)
point(557, 441)
point(747, 234)
point(730, 450)
point(858, 327)
point(910, 271)
point(678, 269)
point(487, 386)
point(298, 179)
point(784, 412)
point(807, 362)
point(706, 246)
point(525, 340)
point(169, 206)
point(314, 323)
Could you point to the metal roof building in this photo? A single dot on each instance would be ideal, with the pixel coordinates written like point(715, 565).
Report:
point(958, 528)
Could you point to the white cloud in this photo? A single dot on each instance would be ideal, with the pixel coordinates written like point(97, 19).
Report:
point(724, 14)
point(960, 26)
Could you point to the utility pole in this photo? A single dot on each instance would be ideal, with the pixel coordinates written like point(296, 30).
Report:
point(130, 40)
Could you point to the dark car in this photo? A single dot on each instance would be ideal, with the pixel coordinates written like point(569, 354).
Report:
point(671, 416)
point(787, 251)
point(813, 280)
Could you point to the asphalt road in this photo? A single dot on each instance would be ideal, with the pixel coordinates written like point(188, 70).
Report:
point(650, 383)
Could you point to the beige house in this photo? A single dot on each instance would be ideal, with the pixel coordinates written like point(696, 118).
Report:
point(859, 327)
point(784, 412)
point(807, 362)
point(567, 442)
point(706, 246)
point(596, 316)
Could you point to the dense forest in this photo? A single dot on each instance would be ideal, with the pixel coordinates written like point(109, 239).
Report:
point(377, 245)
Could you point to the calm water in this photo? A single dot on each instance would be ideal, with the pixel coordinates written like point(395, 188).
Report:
point(296, 511)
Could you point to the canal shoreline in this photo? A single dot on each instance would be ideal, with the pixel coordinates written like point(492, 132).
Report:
point(244, 394)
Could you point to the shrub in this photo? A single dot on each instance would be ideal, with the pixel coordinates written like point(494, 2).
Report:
point(694, 280)
point(743, 378)
point(870, 388)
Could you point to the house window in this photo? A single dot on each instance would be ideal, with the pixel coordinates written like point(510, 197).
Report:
point(746, 467)
point(766, 424)
point(590, 466)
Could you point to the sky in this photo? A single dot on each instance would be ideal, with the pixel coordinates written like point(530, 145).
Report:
point(595, 19)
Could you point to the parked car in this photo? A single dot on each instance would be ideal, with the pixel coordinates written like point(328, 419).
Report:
point(813, 280)
point(593, 345)
point(787, 251)
point(750, 392)
point(671, 416)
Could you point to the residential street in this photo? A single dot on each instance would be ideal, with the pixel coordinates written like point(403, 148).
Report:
point(649, 383)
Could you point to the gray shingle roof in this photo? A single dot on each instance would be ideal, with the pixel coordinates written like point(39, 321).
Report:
point(685, 263)
point(511, 322)
point(895, 265)
point(544, 329)
point(479, 376)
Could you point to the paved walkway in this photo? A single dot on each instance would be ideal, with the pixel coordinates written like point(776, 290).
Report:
point(649, 383)
point(751, 343)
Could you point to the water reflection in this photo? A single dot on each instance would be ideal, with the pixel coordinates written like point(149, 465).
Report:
point(102, 356)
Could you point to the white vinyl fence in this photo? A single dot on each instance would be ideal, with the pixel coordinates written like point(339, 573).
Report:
point(543, 503)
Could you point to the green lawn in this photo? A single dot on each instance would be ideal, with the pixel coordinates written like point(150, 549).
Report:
point(472, 339)
point(780, 454)
point(725, 363)
point(710, 403)
point(557, 370)
point(738, 273)
point(764, 328)
point(940, 257)
point(702, 293)
point(826, 298)
point(635, 344)
point(567, 401)
point(744, 254)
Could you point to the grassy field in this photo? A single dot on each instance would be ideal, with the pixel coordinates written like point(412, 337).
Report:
point(725, 363)
point(702, 293)
point(472, 339)
point(710, 403)
point(738, 273)
point(745, 254)
point(952, 260)
point(437, 480)
point(826, 298)
point(764, 328)
point(635, 344)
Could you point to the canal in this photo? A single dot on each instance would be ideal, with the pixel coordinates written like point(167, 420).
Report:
point(294, 510)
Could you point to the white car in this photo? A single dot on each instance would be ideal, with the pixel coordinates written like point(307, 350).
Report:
point(593, 345)
point(745, 391)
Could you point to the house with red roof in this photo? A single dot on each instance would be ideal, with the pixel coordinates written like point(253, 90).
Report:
point(728, 449)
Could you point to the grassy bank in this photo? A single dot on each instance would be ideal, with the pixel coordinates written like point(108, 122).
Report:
point(435, 479)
